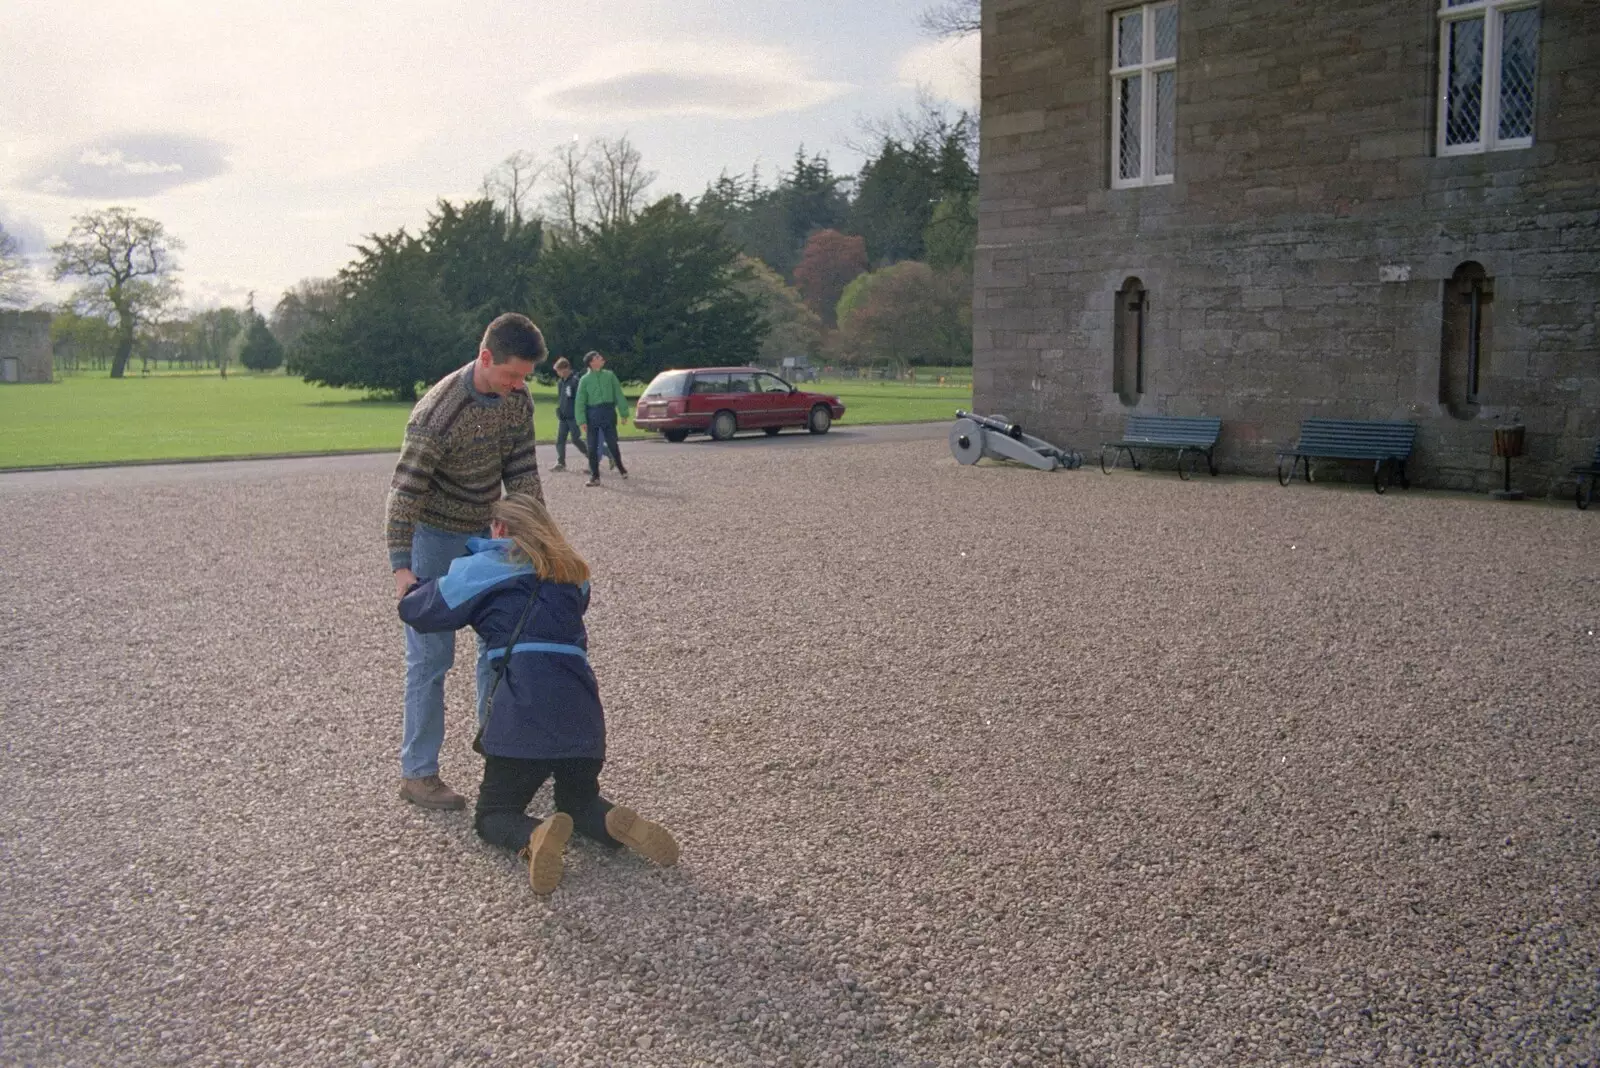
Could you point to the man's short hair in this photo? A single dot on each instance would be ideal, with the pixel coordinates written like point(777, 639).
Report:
point(589, 357)
point(513, 336)
point(563, 365)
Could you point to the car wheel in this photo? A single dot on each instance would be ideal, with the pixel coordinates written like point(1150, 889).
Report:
point(674, 436)
point(820, 419)
point(772, 431)
point(723, 424)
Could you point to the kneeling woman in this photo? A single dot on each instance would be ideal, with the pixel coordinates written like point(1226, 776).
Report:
point(524, 590)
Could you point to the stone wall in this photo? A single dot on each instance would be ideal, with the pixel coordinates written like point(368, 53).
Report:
point(25, 337)
point(1299, 263)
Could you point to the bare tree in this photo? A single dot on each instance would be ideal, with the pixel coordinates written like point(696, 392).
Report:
point(955, 18)
point(616, 180)
point(597, 184)
point(128, 267)
point(929, 122)
point(564, 204)
point(511, 183)
point(16, 281)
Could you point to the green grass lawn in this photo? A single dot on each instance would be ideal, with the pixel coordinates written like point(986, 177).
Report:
point(91, 418)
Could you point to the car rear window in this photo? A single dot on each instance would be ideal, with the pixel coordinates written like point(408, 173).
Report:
point(668, 384)
point(712, 383)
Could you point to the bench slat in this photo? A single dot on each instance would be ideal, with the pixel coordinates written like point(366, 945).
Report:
point(1170, 430)
point(1356, 439)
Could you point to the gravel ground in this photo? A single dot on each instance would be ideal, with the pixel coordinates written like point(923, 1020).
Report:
point(971, 766)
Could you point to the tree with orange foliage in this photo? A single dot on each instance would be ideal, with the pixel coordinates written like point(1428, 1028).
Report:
point(830, 262)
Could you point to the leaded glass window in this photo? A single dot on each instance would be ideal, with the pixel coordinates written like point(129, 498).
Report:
point(1489, 61)
point(1144, 92)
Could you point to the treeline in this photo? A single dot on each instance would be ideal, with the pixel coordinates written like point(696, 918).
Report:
point(865, 269)
point(871, 268)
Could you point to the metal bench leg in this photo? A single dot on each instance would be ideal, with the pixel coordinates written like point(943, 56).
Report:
point(1182, 475)
point(1105, 467)
point(1285, 479)
point(1405, 482)
point(1211, 463)
point(1585, 494)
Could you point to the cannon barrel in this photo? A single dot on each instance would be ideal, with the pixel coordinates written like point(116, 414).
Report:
point(1010, 430)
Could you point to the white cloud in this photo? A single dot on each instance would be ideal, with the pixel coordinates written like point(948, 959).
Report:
point(272, 137)
point(634, 80)
point(114, 160)
point(947, 69)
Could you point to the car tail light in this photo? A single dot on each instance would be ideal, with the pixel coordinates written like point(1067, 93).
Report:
point(676, 406)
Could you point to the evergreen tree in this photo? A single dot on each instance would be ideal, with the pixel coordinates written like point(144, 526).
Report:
point(657, 290)
point(261, 350)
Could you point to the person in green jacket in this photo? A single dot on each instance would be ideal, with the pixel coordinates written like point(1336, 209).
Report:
point(599, 405)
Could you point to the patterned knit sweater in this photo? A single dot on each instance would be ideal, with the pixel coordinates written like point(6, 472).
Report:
point(460, 445)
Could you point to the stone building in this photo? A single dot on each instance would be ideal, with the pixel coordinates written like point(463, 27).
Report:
point(1264, 211)
point(25, 347)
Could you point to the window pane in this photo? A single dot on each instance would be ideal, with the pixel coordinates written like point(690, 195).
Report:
point(1128, 90)
point(1519, 62)
point(1464, 87)
point(1130, 39)
point(1166, 105)
point(1167, 31)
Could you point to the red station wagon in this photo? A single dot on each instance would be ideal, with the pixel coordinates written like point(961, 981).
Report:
point(722, 400)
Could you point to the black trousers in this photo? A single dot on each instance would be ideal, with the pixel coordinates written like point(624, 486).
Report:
point(509, 785)
point(602, 422)
point(568, 428)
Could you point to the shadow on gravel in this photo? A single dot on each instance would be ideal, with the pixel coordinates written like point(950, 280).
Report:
point(732, 978)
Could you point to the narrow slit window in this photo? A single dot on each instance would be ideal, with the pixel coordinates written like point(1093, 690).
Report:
point(1465, 356)
point(1128, 341)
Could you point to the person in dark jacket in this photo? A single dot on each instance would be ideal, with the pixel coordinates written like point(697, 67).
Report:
point(566, 390)
point(525, 590)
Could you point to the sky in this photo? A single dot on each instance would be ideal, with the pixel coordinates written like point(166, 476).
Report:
point(270, 137)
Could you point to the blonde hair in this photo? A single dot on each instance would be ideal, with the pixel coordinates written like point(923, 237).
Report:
point(538, 540)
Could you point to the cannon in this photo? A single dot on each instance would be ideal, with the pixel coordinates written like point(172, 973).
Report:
point(975, 436)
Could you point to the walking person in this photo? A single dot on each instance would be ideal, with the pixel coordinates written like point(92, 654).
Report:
point(599, 405)
point(469, 435)
point(525, 592)
point(566, 394)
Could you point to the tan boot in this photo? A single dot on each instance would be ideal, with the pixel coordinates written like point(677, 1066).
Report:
point(429, 792)
point(545, 852)
point(650, 840)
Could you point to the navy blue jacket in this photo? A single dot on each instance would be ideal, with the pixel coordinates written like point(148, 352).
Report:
point(566, 396)
point(547, 705)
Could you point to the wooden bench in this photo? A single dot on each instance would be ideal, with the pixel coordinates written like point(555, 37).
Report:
point(1195, 435)
point(1587, 474)
point(1387, 443)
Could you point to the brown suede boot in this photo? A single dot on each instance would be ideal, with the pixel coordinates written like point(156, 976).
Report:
point(650, 840)
point(546, 851)
point(429, 792)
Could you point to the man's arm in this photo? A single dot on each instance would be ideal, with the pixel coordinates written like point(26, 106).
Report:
point(621, 402)
point(413, 475)
point(520, 470)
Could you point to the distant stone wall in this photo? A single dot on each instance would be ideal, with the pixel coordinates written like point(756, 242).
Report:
point(25, 338)
point(1312, 256)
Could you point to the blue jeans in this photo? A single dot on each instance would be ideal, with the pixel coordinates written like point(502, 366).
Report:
point(429, 657)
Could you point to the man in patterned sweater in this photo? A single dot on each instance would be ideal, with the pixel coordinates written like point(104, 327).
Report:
point(472, 432)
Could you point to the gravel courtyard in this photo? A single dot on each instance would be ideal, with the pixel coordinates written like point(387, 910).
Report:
point(971, 766)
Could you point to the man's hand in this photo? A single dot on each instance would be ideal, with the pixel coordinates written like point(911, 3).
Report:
point(404, 579)
point(583, 429)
